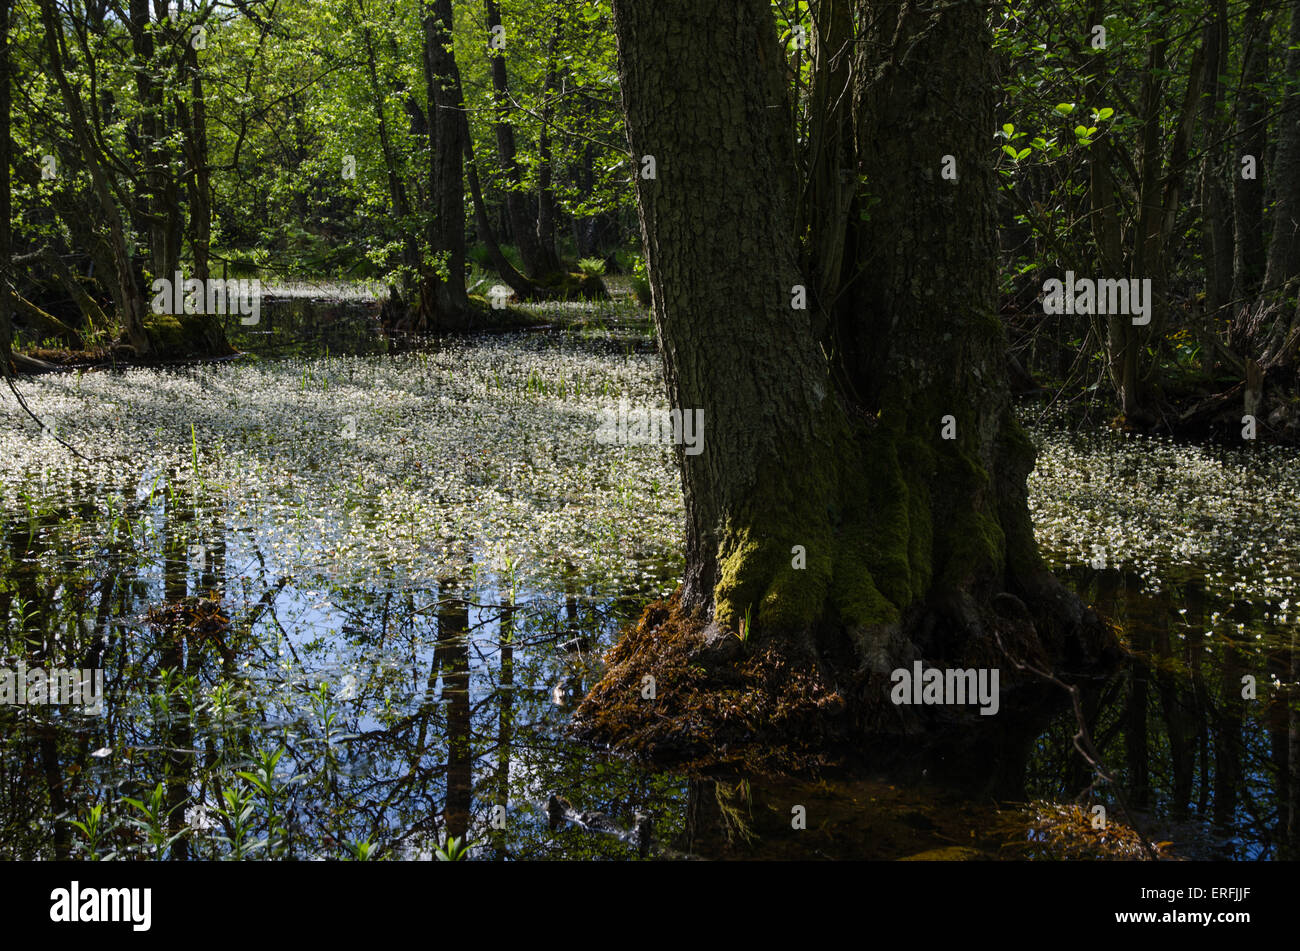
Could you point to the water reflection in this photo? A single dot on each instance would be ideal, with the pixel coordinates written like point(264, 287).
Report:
point(266, 702)
point(407, 717)
point(1200, 724)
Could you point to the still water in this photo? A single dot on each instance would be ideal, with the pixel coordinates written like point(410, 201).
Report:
point(345, 605)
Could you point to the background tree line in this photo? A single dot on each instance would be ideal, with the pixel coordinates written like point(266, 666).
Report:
point(435, 146)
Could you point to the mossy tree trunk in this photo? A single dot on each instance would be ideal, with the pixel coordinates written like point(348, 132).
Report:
point(6, 198)
point(827, 507)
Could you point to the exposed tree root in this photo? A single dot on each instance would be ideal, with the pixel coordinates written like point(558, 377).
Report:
point(677, 690)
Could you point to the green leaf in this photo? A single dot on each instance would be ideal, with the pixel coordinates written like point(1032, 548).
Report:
point(1008, 128)
point(1065, 108)
point(1021, 154)
point(1009, 150)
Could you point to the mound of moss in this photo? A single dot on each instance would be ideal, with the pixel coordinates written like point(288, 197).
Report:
point(186, 336)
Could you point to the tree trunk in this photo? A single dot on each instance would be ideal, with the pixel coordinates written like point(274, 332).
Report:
point(96, 319)
point(6, 198)
point(546, 171)
point(1216, 225)
point(450, 304)
point(158, 204)
point(1281, 303)
point(194, 119)
point(414, 267)
point(1252, 139)
point(522, 227)
point(1107, 216)
point(1284, 248)
point(523, 288)
point(831, 161)
point(129, 292)
point(827, 519)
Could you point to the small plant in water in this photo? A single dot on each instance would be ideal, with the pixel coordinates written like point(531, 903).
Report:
point(237, 817)
point(453, 850)
point(152, 820)
point(745, 625)
point(264, 782)
point(362, 851)
point(92, 828)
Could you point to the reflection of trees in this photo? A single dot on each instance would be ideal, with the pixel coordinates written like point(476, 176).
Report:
point(505, 719)
point(1136, 748)
point(177, 735)
point(453, 714)
point(1288, 767)
point(1227, 718)
point(46, 602)
point(719, 809)
point(452, 659)
point(1171, 673)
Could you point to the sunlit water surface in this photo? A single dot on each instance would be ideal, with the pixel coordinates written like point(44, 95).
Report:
point(345, 605)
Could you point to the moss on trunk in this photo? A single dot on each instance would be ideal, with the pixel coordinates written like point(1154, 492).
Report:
point(860, 503)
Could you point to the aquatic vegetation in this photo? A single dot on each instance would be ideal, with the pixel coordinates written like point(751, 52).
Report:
point(330, 591)
point(453, 850)
point(377, 461)
point(1166, 510)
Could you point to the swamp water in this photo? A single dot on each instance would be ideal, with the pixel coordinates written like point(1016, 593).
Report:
point(345, 605)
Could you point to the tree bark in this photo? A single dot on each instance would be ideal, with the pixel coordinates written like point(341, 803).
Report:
point(450, 304)
point(546, 170)
point(1252, 139)
point(129, 292)
point(1284, 248)
point(6, 198)
point(522, 226)
point(907, 537)
point(832, 164)
point(1216, 224)
point(158, 203)
point(194, 120)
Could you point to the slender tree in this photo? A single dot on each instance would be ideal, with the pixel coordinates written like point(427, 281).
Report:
point(444, 304)
point(127, 290)
point(523, 226)
point(6, 199)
